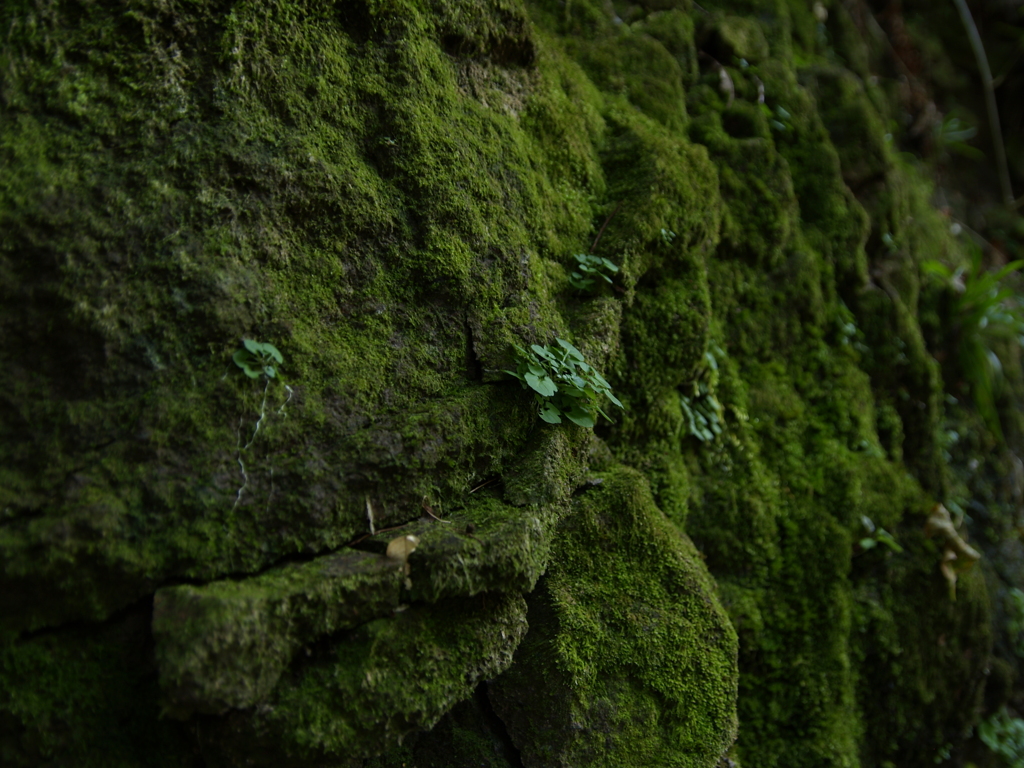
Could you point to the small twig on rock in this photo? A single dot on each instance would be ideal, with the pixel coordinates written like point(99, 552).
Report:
point(427, 508)
point(593, 246)
point(484, 485)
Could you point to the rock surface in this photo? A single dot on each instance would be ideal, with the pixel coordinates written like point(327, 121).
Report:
point(391, 193)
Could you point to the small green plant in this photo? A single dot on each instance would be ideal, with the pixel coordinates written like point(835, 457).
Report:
point(667, 236)
point(704, 414)
point(985, 311)
point(705, 417)
point(848, 335)
point(258, 359)
point(589, 270)
point(779, 118)
point(563, 383)
point(952, 135)
point(1004, 735)
point(876, 536)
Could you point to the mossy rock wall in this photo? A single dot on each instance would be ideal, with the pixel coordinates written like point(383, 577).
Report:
point(391, 192)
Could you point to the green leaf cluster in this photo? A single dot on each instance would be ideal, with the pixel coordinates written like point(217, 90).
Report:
point(952, 135)
point(258, 359)
point(986, 310)
point(877, 536)
point(704, 414)
point(1004, 735)
point(779, 118)
point(589, 270)
point(563, 383)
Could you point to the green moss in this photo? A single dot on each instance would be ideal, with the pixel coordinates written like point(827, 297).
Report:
point(351, 187)
point(899, 362)
point(486, 546)
point(639, 67)
point(359, 693)
point(775, 509)
point(757, 190)
point(908, 629)
point(774, 26)
point(224, 645)
point(674, 29)
point(774, 514)
point(649, 442)
point(856, 129)
point(844, 29)
point(665, 335)
point(736, 37)
point(470, 736)
point(550, 468)
point(629, 660)
point(86, 697)
point(660, 181)
point(391, 193)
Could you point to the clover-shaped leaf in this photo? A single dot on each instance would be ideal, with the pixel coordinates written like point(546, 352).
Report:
point(543, 385)
point(589, 267)
point(563, 383)
point(258, 359)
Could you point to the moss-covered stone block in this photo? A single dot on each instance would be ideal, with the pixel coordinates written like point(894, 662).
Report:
point(629, 660)
point(900, 362)
point(757, 188)
point(665, 335)
point(674, 29)
point(489, 546)
point(470, 736)
point(732, 38)
point(356, 694)
point(773, 19)
point(648, 440)
point(658, 180)
point(339, 183)
point(854, 125)
point(87, 696)
point(550, 468)
point(225, 644)
point(909, 629)
point(639, 67)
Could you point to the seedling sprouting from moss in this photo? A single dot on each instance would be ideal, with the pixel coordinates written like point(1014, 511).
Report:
point(779, 119)
point(876, 536)
point(589, 270)
point(705, 416)
point(258, 359)
point(563, 383)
